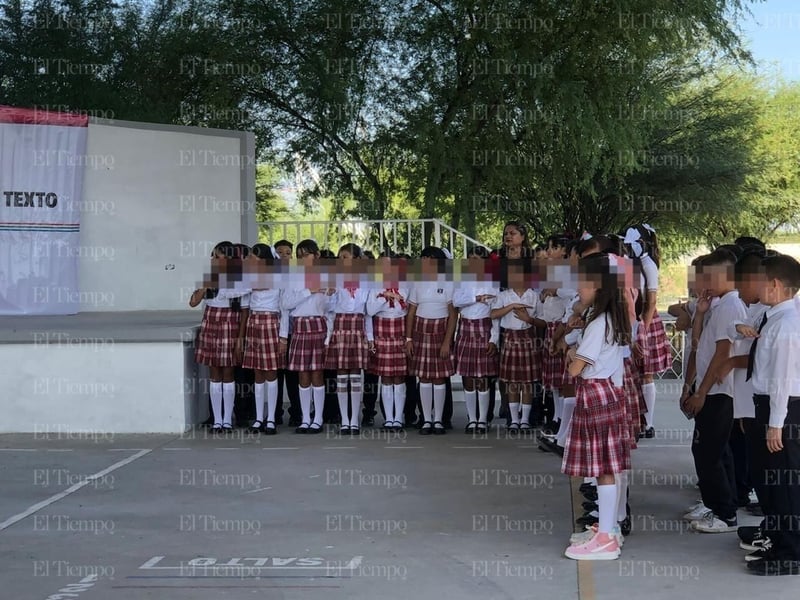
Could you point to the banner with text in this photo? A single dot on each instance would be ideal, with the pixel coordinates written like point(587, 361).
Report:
point(42, 159)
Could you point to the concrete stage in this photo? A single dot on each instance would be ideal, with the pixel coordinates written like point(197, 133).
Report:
point(118, 372)
point(174, 517)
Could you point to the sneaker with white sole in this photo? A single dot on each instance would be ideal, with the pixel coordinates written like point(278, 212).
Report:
point(584, 536)
point(758, 542)
point(594, 549)
point(711, 523)
point(759, 554)
point(698, 511)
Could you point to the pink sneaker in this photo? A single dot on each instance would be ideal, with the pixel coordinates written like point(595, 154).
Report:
point(594, 549)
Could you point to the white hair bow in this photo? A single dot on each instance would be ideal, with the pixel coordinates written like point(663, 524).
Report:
point(632, 239)
point(274, 252)
point(586, 236)
point(650, 229)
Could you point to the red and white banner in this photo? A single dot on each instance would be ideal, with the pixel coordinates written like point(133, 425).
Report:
point(42, 160)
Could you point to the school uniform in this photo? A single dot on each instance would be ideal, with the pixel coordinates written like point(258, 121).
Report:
point(517, 364)
point(596, 440)
point(430, 325)
point(265, 325)
point(714, 422)
point(349, 331)
point(776, 385)
point(389, 323)
point(653, 340)
point(476, 330)
point(219, 328)
point(309, 328)
point(552, 310)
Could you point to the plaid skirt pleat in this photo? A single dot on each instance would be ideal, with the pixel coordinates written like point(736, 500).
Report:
point(657, 355)
point(347, 348)
point(427, 339)
point(389, 359)
point(632, 407)
point(218, 333)
point(517, 357)
point(307, 350)
point(261, 348)
point(471, 357)
point(596, 443)
point(552, 364)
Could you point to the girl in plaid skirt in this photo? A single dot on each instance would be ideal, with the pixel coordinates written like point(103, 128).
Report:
point(350, 340)
point(656, 356)
point(387, 309)
point(222, 333)
point(267, 333)
point(515, 307)
point(309, 330)
point(476, 345)
point(596, 445)
point(430, 326)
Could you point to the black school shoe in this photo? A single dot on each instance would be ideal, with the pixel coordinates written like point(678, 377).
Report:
point(774, 566)
point(587, 520)
point(747, 533)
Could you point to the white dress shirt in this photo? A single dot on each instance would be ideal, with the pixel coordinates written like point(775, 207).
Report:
point(465, 298)
point(508, 297)
point(270, 301)
point(743, 407)
point(601, 353)
point(224, 297)
point(432, 299)
point(342, 302)
point(378, 306)
point(730, 309)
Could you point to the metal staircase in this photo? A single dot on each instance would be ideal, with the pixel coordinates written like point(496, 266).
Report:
point(400, 235)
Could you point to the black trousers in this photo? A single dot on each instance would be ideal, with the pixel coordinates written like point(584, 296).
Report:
point(712, 430)
point(782, 479)
point(739, 473)
point(758, 453)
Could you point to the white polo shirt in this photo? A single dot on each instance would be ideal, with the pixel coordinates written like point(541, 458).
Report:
point(730, 309)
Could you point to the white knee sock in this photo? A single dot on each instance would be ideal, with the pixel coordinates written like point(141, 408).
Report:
point(513, 409)
point(399, 401)
point(318, 399)
point(426, 399)
point(439, 394)
point(228, 395)
point(469, 399)
point(566, 417)
point(305, 403)
point(649, 392)
point(606, 507)
point(215, 391)
point(526, 413)
point(558, 405)
point(341, 395)
point(356, 393)
point(272, 399)
point(483, 406)
point(259, 392)
point(621, 481)
point(387, 399)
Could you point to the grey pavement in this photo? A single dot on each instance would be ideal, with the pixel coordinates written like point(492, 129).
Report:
point(387, 515)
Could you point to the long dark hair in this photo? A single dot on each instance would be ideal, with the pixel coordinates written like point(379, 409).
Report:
point(609, 298)
point(649, 243)
point(526, 251)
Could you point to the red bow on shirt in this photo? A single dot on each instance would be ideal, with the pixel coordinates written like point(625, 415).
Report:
point(351, 287)
point(391, 300)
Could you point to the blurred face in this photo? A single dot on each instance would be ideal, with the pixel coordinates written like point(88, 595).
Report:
point(587, 293)
point(750, 286)
point(512, 237)
point(718, 279)
point(284, 252)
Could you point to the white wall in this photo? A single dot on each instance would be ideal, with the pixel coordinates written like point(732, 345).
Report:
point(121, 388)
point(154, 197)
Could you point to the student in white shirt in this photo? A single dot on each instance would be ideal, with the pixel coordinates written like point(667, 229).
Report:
point(775, 368)
point(350, 341)
point(712, 403)
point(430, 327)
point(266, 340)
point(309, 332)
point(596, 440)
point(516, 307)
point(222, 334)
point(476, 343)
point(387, 308)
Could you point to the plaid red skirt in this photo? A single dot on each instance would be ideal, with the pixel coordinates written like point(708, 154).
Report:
point(218, 333)
point(517, 358)
point(261, 349)
point(632, 406)
point(347, 348)
point(656, 349)
point(427, 341)
point(473, 340)
point(552, 364)
point(389, 359)
point(596, 443)
point(307, 350)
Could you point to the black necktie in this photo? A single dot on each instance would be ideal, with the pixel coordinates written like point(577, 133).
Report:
point(751, 358)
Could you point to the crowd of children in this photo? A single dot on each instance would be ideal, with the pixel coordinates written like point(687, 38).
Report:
point(577, 363)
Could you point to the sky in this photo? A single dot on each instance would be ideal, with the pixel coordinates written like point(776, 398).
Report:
point(773, 31)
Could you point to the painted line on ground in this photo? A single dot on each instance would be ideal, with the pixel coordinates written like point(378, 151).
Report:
point(586, 589)
point(70, 490)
